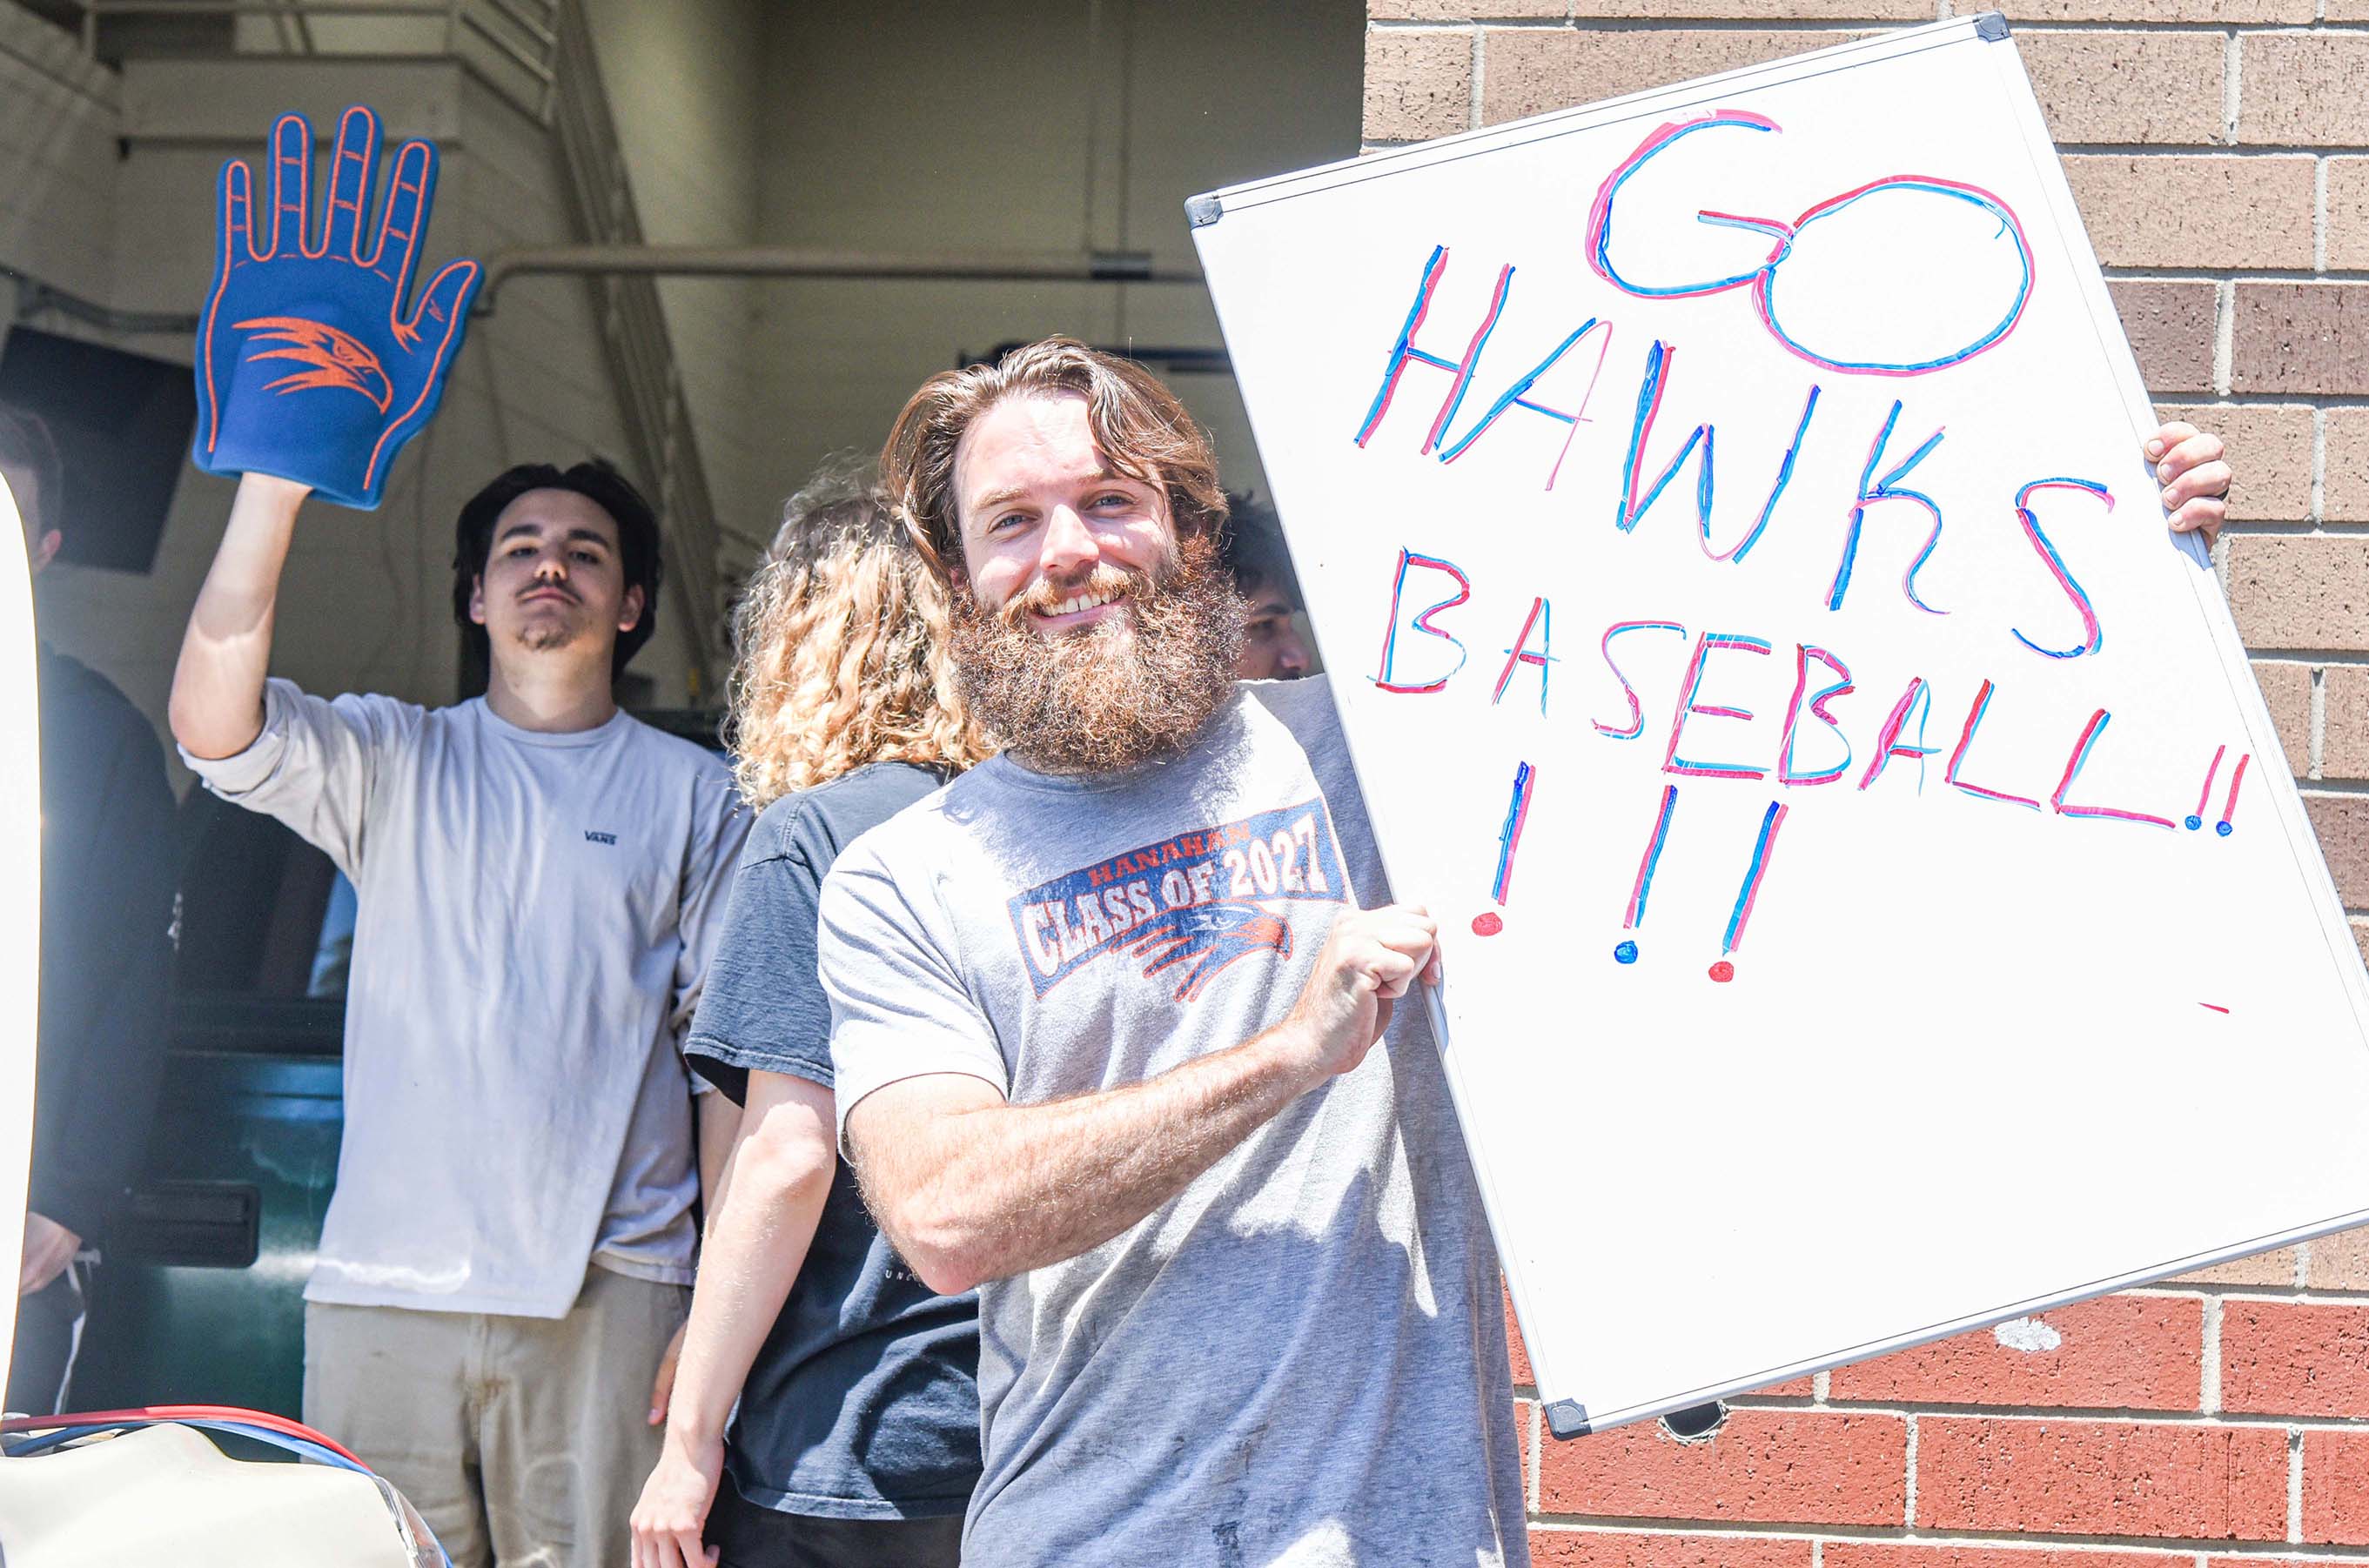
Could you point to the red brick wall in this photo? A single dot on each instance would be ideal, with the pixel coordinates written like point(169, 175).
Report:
point(2220, 152)
point(2221, 1414)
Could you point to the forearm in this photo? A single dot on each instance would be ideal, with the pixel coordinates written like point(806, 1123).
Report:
point(756, 1243)
point(993, 1190)
point(217, 701)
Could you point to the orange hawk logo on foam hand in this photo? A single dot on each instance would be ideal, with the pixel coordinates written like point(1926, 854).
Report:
point(336, 358)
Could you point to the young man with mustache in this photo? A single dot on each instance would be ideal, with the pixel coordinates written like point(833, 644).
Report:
point(1120, 1037)
point(539, 877)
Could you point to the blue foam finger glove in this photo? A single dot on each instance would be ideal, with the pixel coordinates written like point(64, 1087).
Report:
point(307, 366)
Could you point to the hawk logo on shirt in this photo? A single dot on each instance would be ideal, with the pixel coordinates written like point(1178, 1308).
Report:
point(1187, 908)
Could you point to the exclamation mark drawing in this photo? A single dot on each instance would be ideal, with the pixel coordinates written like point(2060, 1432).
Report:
point(1749, 894)
point(1626, 953)
point(2204, 795)
point(2229, 806)
point(1488, 923)
point(2195, 818)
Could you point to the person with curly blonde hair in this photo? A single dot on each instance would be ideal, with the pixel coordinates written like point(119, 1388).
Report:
point(855, 1436)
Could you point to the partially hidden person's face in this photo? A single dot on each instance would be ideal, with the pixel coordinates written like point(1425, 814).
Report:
point(1087, 636)
point(555, 578)
point(1273, 648)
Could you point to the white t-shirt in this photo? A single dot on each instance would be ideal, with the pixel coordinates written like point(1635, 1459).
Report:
point(536, 914)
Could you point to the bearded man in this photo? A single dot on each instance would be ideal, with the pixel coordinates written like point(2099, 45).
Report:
point(1117, 1041)
point(1100, 1009)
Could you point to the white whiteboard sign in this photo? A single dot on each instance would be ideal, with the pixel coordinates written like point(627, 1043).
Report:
point(1851, 895)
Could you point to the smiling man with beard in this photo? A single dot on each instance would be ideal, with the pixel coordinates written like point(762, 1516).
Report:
point(1117, 1043)
point(539, 881)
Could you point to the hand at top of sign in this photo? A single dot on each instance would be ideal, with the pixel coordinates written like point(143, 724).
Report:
point(309, 366)
point(2187, 462)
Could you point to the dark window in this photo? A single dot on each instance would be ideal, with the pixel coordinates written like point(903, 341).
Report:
point(264, 914)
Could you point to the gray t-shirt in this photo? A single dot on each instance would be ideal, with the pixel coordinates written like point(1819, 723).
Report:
point(1300, 1358)
point(535, 916)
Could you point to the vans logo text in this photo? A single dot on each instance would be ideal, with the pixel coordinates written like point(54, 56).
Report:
point(593, 836)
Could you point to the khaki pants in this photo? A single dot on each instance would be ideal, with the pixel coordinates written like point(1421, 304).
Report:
point(522, 1441)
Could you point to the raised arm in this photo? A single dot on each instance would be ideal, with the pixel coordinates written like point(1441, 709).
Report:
point(217, 703)
point(971, 1188)
point(309, 369)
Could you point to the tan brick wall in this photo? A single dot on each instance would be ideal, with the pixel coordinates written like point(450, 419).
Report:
point(2219, 150)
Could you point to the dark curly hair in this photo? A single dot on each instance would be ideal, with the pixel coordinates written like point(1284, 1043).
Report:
point(637, 544)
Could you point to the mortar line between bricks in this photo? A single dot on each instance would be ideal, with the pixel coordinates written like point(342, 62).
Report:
point(1654, 24)
point(1635, 24)
point(2316, 733)
point(2083, 149)
point(2318, 465)
point(2320, 214)
point(2205, 149)
point(1538, 1438)
point(1795, 1529)
point(2287, 1290)
point(2295, 1486)
point(2230, 30)
point(2193, 1420)
point(1908, 1491)
point(2224, 333)
point(2265, 400)
point(1480, 37)
point(2229, 102)
point(2343, 528)
point(2135, 274)
point(2208, 1358)
point(1583, 1524)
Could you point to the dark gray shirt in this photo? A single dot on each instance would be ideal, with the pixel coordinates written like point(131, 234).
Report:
point(864, 1401)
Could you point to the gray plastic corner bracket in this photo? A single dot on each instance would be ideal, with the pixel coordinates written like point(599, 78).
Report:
point(1990, 27)
point(1568, 1418)
point(1202, 211)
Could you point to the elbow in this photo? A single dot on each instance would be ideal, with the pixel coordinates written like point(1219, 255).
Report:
point(940, 1242)
point(948, 1274)
point(784, 1170)
point(180, 718)
point(202, 733)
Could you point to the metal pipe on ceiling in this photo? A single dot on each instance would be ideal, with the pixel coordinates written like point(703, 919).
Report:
point(787, 261)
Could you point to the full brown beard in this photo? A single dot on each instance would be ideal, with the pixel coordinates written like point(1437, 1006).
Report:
point(1126, 690)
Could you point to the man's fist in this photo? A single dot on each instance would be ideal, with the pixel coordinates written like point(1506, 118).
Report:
point(1369, 960)
point(309, 369)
